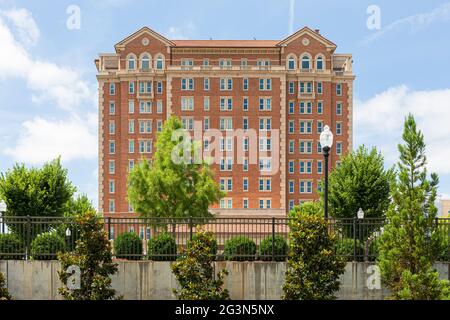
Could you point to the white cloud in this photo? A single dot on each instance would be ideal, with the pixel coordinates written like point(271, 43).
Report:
point(24, 23)
point(379, 121)
point(42, 140)
point(47, 81)
point(414, 22)
point(177, 33)
point(291, 16)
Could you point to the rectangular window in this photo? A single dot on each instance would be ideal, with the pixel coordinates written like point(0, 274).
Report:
point(112, 89)
point(339, 148)
point(112, 147)
point(339, 89)
point(291, 107)
point(131, 106)
point(245, 123)
point(291, 146)
point(159, 87)
point(206, 84)
point(305, 126)
point(130, 146)
point(339, 108)
point(245, 165)
point(319, 88)
point(245, 84)
point(265, 104)
point(265, 124)
point(226, 203)
point(226, 104)
point(319, 127)
point(319, 167)
point(112, 187)
point(226, 123)
point(145, 126)
point(187, 123)
point(112, 127)
point(145, 146)
point(305, 147)
point(187, 84)
point(319, 147)
point(319, 107)
point(145, 107)
point(206, 103)
point(206, 123)
point(291, 166)
point(338, 128)
point(226, 184)
point(305, 186)
point(159, 106)
point(265, 144)
point(112, 108)
point(112, 208)
point(226, 84)
point(226, 164)
point(130, 126)
point(291, 87)
point(245, 104)
point(306, 167)
point(245, 184)
point(265, 164)
point(187, 103)
point(265, 84)
point(158, 125)
point(131, 87)
point(291, 186)
point(245, 203)
point(112, 167)
point(265, 184)
point(130, 165)
point(291, 126)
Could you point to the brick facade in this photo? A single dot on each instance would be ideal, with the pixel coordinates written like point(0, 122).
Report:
point(137, 94)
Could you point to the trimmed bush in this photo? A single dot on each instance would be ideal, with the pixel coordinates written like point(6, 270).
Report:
point(128, 246)
point(46, 246)
point(9, 244)
point(240, 249)
point(345, 247)
point(280, 249)
point(162, 248)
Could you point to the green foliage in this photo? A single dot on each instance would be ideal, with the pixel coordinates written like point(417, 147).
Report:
point(162, 248)
point(308, 208)
point(4, 294)
point(411, 242)
point(313, 268)
point(345, 248)
point(94, 258)
point(35, 192)
point(128, 245)
point(212, 243)
point(360, 181)
point(46, 246)
point(171, 188)
point(195, 271)
point(9, 244)
point(280, 248)
point(240, 249)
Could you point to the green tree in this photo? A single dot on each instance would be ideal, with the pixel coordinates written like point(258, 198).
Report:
point(35, 192)
point(93, 257)
point(360, 181)
point(78, 205)
point(411, 242)
point(169, 188)
point(313, 268)
point(195, 271)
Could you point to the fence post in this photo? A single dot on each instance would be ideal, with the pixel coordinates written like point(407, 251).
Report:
point(109, 228)
point(28, 239)
point(273, 238)
point(355, 222)
point(190, 228)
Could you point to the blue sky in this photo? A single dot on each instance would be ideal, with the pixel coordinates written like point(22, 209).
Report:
point(47, 75)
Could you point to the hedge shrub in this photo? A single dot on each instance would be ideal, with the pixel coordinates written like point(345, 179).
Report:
point(345, 248)
point(46, 246)
point(240, 249)
point(128, 245)
point(213, 244)
point(11, 243)
point(162, 248)
point(280, 248)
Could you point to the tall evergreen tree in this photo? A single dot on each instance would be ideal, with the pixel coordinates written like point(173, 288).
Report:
point(172, 188)
point(411, 241)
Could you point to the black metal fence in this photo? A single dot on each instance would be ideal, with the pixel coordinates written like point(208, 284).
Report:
point(40, 238)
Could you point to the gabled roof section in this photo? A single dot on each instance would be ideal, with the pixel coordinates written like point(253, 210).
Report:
point(144, 30)
point(312, 33)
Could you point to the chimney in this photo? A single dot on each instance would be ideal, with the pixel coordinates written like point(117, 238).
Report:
point(317, 31)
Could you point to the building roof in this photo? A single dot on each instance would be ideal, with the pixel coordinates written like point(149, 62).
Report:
point(226, 43)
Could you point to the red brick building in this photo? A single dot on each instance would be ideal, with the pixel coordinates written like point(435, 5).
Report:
point(284, 92)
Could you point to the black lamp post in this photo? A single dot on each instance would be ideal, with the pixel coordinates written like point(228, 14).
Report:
point(2, 215)
point(326, 141)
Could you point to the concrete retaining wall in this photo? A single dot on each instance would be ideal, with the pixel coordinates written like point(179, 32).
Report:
point(32, 280)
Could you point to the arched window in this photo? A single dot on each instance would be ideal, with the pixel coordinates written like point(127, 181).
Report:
point(145, 62)
point(306, 62)
point(291, 63)
point(319, 63)
point(160, 62)
point(131, 62)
